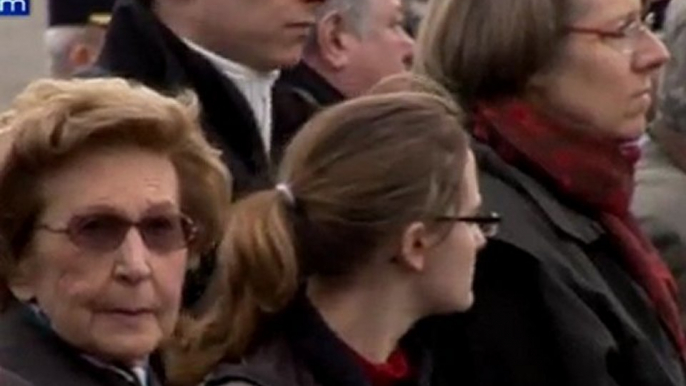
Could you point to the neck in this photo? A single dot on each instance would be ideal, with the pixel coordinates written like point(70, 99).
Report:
point(369, 320)
point(338, 79)
point(187, 22)
point(672, 143)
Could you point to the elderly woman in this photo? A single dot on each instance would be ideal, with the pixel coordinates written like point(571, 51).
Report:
point(570, 292)
point(108, 192)
point(327, 272)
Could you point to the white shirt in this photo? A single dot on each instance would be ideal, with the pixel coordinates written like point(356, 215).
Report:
point(255, 86)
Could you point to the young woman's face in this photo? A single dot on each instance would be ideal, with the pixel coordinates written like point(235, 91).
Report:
point(450, 264)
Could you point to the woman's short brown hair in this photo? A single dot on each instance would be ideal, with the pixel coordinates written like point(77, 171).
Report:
point(352, 179)
point(485, 49)
point(54, 120)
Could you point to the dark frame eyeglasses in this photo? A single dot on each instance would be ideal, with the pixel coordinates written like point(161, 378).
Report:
point(487, 223)
point(632, 31)
point(104, 232)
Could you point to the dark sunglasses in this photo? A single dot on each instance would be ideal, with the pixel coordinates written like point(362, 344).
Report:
point(104, 232)
point(488, 223)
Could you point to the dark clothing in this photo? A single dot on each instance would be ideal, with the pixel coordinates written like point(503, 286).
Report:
point(10, 379)
point(138, 46)
point(554, 304)
point(299, 93)
point(301, 350)
point(32, 351)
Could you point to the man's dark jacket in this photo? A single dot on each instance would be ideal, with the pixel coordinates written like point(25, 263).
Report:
point(139, 47)
point(300, 93)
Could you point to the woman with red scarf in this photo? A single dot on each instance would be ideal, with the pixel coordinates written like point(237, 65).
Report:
point(570, 292)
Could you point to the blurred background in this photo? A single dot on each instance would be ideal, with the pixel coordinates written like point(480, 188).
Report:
point(23, 56)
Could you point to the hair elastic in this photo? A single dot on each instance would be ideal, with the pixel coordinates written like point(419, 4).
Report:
point(286, 192)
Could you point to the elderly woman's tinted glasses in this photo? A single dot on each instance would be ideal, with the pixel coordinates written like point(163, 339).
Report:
point(487, 223)
point(104, 232)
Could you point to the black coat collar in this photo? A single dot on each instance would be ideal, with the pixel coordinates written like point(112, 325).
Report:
point(31, 350)
point(312, 85)
point(571, 221)
point(328, 358)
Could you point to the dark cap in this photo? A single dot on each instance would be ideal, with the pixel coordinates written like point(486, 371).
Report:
point(79, 12)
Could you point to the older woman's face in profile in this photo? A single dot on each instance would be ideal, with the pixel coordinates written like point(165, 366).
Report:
point(117, 304)
point(601, 83)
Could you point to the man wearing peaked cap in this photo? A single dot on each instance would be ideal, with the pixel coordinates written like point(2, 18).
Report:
point(75, 33)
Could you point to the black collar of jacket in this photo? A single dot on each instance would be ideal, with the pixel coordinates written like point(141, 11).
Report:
point(328, 358)
point(140, 47)
point(33, 351)
point(563, 217)
point(310, 85)
point(298, 348)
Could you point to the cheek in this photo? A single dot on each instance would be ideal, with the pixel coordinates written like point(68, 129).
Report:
point(168, 276)
point(596, 93)
point(68, 280)
point(454, 275)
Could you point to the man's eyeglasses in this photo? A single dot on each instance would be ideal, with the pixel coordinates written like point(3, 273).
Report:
point(104, 232)
point(488, 223)
point(625, 39)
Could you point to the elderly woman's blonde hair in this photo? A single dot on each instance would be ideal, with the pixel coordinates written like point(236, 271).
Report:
point(53, 120)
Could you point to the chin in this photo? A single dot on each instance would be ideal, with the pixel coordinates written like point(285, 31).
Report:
point(129, 350)
point(633, 131)
point(467, 302)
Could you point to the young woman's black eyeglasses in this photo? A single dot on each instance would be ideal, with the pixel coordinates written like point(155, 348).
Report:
point(488, 223)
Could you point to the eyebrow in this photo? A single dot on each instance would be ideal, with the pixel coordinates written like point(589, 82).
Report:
point(162, 206)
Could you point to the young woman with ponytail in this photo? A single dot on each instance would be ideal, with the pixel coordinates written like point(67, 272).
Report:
point(374, 225)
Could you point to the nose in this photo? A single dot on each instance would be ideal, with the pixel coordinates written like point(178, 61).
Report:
point(408, 45)
point(133, 261)
point(651, 55)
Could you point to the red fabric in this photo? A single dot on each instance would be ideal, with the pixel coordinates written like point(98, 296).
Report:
point(596, 173)
point(392, 372)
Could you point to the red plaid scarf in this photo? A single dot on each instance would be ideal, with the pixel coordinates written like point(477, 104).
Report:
point(598, 174)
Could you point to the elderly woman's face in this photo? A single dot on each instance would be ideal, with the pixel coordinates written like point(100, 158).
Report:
point(113, 300)
point(601, 83)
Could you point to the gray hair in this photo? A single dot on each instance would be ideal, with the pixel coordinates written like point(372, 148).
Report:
point(59, 41)
point(355, 14)
point(672, 91)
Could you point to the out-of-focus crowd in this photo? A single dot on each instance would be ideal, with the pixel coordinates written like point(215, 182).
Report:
point(348, 193)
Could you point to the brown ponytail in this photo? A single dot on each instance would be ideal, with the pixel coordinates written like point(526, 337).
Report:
point(258, 280)
point(357, 174)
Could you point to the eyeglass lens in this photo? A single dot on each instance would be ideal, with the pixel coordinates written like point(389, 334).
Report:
point(105, 232)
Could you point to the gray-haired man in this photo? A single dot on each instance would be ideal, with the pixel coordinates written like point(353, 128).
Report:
point(353, 45)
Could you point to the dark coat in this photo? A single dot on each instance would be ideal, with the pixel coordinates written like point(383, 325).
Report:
point(32, 351)
point(553, 303)
point(138, 46)
point(301, 350)
point(10, 379)
point(299, 93)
